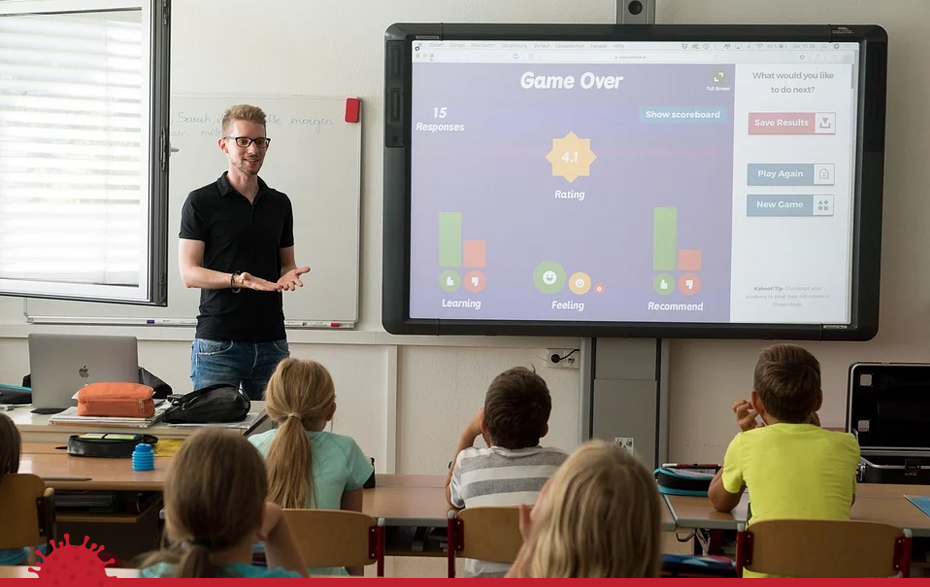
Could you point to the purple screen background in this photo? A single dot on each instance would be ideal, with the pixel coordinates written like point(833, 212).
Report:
point(496, 174)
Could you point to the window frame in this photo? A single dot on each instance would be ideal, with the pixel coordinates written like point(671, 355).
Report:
point(153, 284)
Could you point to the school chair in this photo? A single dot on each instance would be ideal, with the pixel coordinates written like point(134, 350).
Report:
point(484, 533)
point(338, 538)
point(823, 548)
point(28, 511)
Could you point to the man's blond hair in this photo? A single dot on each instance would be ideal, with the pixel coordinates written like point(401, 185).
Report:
point(245, 112)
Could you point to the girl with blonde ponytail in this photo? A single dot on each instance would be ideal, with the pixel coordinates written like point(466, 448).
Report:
point(215, 510)
point(597, 517)
point(307, 466)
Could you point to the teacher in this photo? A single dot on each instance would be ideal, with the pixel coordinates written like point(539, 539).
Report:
point(237, 246)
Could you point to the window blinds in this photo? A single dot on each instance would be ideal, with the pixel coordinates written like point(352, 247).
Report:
point(73, 187)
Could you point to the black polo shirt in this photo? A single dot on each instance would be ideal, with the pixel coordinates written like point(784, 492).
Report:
point(240, 236)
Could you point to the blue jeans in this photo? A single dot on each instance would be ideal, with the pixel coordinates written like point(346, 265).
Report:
point(247, 365)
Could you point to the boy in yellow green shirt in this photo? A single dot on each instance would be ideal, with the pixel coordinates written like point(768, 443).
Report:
point(791, 467)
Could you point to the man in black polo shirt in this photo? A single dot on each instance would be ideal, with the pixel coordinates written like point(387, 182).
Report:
point(237, 246)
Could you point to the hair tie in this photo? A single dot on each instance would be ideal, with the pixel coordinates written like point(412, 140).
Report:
point(294, 415)
point(204, 542)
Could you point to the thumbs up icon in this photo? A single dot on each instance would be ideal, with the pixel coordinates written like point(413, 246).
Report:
point(449, 281)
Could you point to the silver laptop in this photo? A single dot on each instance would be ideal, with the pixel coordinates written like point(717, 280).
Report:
point(61, 364)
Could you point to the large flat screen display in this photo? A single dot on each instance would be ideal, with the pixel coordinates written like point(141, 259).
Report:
point(683, 181)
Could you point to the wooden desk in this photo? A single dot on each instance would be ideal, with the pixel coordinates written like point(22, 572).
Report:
point(23, 573)
point(48, 448)
point(897, 511)
point(411, 481)
point(874, 502)
point(62, 471)
point(402, 500)
point(406, 505)
point(890, 490)
point(35, 427)
point(419, 500)
point(696, 512)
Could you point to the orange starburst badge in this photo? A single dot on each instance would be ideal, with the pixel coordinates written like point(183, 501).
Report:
point(571, 157)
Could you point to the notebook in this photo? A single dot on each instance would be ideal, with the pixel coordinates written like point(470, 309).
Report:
point(921, 501)
point(69, 416)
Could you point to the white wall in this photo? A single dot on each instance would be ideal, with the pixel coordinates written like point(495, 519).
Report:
point(416, 393)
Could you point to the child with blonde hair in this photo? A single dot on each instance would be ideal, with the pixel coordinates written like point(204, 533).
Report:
point(598, 516)
point(307, 466)
point(215, 510)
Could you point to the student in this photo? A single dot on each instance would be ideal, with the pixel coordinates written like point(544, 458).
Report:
point(308, 467)
point(10, 447)
point(599, 516)
point(514, 467)
point(215, 510)
point(791, 467)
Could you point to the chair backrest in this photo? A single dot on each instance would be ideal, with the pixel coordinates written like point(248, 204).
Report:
point(489, 533)
point(824, 548)
point(335, 538)
point(28, 511)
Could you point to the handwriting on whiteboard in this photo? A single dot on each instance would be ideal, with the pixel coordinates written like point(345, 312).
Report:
point(212, 123)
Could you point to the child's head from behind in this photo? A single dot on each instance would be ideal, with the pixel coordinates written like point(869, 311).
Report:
point(214, 498)
point(10, 446)
point(300, 397)
point(516, 409)
point(787, 382)
point(599, 516)
point(300, 389)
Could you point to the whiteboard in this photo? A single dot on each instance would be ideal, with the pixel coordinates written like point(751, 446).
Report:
point(314, 158)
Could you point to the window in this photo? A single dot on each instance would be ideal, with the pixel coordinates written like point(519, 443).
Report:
point(83, 138)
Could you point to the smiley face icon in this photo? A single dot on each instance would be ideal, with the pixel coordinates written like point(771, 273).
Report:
point(579, 283)
point(549, 277)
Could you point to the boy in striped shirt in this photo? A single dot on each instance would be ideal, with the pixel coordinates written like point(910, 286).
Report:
point(513, 468)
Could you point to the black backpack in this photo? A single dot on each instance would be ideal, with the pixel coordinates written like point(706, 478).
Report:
point(217, 403)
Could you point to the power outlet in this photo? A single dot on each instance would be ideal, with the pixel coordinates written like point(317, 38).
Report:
point(626, 443)
point(563, 358)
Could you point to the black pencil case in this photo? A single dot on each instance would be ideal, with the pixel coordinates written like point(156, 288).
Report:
point(110, 446)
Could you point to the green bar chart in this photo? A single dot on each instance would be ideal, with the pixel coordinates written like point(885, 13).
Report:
point(450, 239)
point(665, 239)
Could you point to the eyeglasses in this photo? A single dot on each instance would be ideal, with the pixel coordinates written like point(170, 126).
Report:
point(244, 142)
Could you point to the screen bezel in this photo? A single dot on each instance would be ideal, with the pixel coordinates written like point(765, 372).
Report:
point(867, 205)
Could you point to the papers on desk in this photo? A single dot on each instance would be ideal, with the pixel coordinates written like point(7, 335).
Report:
point(70, 417)
point(246, 424)
point(921, 501)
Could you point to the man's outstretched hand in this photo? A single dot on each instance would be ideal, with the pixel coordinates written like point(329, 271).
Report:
point(290, 281)
point(249, 281)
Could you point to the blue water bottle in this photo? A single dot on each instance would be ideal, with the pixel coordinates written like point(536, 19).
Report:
point(143, 459)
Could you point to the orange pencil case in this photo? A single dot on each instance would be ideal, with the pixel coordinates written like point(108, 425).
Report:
point(124, 400)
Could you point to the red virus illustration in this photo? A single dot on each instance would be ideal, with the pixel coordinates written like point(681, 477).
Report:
point(72, 564)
